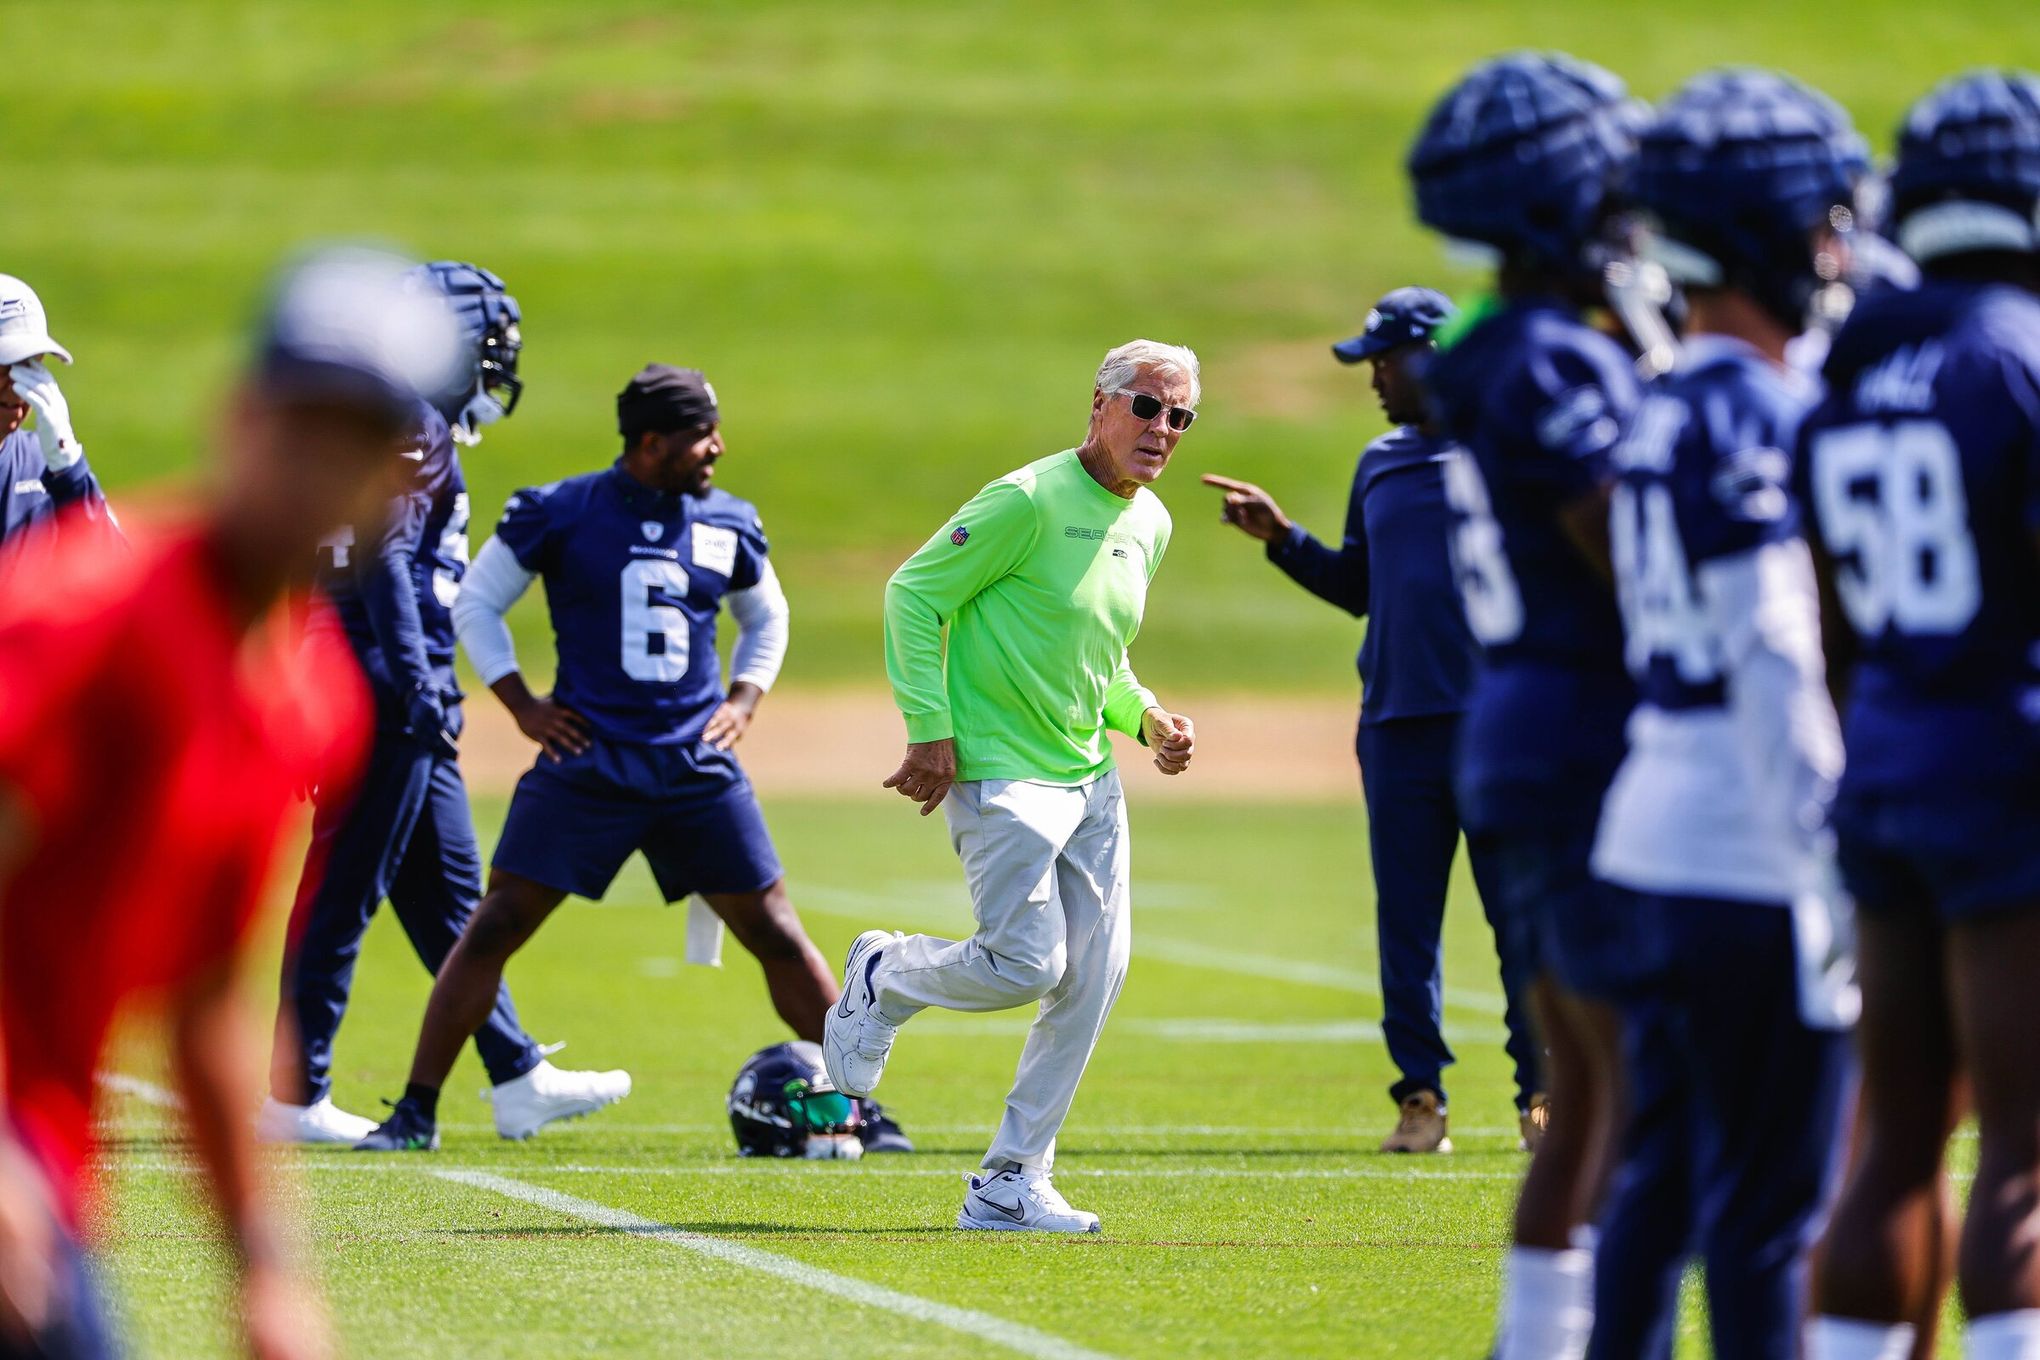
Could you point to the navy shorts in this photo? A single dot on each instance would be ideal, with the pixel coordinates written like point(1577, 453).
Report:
point(692, 813)
point(1958, 858)
point(1560, 917)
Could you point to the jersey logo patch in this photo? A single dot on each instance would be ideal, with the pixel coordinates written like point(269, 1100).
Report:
point(654, 531)
point(959, 536)
point(715, 548)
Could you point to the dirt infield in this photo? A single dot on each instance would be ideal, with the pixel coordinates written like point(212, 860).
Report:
point(833, 742)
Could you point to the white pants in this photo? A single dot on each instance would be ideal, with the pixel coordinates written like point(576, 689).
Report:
point(1047, 867)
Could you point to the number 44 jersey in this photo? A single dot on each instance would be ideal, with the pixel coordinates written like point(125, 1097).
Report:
point(633, 581)
point(1921, 471)
point(1733, 750)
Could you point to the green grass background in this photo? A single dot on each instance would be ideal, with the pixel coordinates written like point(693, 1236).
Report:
point(898, 236)
point(1204, 1254)
point(1245, 1210)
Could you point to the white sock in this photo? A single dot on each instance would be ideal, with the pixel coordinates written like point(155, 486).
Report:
point(1840, 1338)
point(1547, 1304)
point(2004, 1336)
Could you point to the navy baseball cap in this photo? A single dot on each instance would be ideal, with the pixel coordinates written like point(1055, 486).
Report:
point(1401, 317)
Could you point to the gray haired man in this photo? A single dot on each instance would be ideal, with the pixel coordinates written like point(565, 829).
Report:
point(1041, 580)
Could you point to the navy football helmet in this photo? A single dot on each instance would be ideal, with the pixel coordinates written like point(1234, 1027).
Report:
point(1968, 172)
point(491, 319)
point(784, 1105)
point(1734, 175)
point(1520, 155)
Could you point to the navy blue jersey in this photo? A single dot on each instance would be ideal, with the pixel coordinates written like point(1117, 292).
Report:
point(1704, 473)
point(1539, 401)
point(1393, 569)
point(1921, 472)
point(31, 494)
point(633, 580)
point(394, 595)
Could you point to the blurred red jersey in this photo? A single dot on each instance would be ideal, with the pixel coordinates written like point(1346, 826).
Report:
point(155, 751)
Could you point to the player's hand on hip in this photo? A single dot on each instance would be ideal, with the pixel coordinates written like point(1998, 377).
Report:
point(284, 1316)
point(726, 726)
point(559, 730)
point(36, 385)
point(1250, 509)
point(927, 772)
point(1171, 736)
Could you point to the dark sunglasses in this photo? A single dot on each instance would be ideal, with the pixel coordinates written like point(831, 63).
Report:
point(1144, 407)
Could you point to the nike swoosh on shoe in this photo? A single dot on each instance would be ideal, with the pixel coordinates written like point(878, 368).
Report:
point(1015, 1213)
point(870, 993)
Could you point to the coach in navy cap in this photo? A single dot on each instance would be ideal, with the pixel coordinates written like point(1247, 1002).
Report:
point(1416, 667)
point(1406, 316)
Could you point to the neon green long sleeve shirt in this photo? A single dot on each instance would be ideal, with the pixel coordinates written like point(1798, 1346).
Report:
point(1041, 579)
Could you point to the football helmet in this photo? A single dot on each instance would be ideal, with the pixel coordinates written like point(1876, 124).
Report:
point(1968, 172)
point(1521, 154)
point(784, 1105)
point(1733, 176)
point(491, 320)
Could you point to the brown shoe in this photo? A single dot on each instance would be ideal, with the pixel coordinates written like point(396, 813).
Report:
point(1534, 1121)
point(1421, 1128)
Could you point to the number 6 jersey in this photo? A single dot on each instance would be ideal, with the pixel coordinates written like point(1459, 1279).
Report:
point(1921, 472)
point(633, 581)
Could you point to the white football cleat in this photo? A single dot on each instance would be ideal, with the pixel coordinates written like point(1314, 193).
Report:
point(319, 1122)
point(528, 1103)
point(856, 1039)
point(1020, 1201)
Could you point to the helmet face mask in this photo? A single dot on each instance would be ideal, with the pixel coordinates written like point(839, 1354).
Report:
point(492, 321)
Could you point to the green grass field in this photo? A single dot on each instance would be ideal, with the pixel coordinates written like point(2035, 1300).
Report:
point(899, 235)
point(1225, 1133)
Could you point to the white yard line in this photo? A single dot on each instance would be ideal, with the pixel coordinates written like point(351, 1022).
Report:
point(367, 1165)
point(1212, 1030)
point(908, 908)
point(148, 1092)
point(999, 1331)
point(1228, 960)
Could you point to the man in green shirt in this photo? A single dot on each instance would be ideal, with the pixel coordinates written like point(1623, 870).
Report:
point(1041, 581)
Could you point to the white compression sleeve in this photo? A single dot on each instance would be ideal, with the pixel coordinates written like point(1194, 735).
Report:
point(762, 615)
point(492, 584)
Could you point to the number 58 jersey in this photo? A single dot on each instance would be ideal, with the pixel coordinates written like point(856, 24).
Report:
point(1921, 473)
point(633, 581)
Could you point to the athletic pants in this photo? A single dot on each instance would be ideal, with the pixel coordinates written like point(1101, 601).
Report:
point(1406, 769)
point(1048, 869)
point(407, 835)
point(1751, 1166)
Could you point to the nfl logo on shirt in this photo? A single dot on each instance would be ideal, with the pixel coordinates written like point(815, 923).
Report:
point(959, 536)
point(653, 529)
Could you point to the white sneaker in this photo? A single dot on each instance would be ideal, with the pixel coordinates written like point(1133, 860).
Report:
point(1020, 1201)
point(856, 1039)
point(545, 1093)
point(319, 1122)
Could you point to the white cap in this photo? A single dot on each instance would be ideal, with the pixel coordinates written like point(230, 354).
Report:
point(24, 326)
